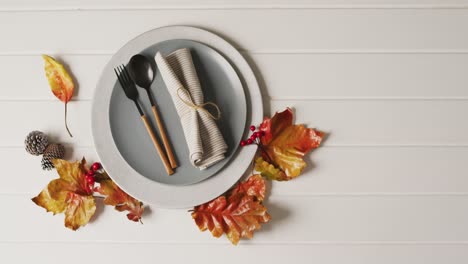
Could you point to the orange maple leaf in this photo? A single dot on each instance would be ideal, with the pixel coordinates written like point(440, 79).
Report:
point(70, 193)
point(284, 145)
point(238, 214)
point(253, 186)
point(118, 198)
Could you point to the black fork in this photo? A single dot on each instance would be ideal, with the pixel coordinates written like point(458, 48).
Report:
point(132, 93)
point(128, 86)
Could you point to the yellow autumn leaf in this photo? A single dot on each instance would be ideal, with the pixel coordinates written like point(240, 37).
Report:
point(79, 211)
point(44, 200)
point(60, 82)
point(269, 171)
point(70, 193)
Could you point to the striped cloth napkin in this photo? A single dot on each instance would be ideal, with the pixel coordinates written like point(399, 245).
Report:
point(205, 142)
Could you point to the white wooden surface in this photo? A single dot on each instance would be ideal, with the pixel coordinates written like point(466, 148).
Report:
point(386, 78)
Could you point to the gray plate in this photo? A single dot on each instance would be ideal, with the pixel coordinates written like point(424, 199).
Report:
point(220, 84)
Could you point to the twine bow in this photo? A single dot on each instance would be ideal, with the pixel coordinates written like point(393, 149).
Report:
point(200, 107)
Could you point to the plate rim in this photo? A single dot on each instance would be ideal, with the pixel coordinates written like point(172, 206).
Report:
point(137, 185)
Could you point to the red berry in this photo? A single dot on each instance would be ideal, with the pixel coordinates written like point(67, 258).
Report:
point(249, 141)
point(90, 173)
point(90, 179)
point(252, 137)
point(252, 128)
point(256, 134)
point(243, 143)
point(96, 166)
point(261, 133)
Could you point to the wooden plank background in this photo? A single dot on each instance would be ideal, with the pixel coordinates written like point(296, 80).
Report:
point(387, 79)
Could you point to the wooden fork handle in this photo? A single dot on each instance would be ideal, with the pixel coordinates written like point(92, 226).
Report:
point(166, 143)
point(157, 146)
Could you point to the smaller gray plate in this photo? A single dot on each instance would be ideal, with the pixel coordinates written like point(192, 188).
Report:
point(220, 84)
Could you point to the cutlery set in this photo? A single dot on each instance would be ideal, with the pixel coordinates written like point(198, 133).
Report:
point(140, 72)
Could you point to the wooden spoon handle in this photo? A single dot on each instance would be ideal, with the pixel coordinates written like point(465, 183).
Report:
point(166, 143)
point(157, 146)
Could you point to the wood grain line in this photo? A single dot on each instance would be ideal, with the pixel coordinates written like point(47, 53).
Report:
point(235, 7)
point(247, 244)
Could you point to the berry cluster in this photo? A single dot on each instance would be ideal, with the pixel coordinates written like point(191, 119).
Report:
point(254, 138)
point(91, 172)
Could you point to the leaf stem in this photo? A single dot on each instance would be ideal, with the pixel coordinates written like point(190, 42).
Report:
point(66, 125)
point(252, 164)
point(266, 153)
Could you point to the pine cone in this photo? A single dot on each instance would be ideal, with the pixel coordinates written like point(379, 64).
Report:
point(53, 151)
point(36, 143)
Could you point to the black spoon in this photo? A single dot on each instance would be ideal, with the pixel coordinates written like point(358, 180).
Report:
point(142, 73)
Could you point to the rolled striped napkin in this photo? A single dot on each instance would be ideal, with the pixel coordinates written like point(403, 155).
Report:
point(205, 142)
